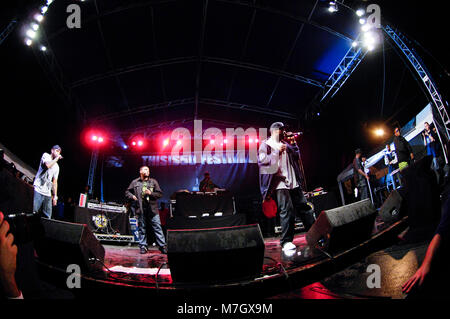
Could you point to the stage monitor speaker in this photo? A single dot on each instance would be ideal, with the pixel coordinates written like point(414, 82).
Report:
point(216, 254)
point(62, 243)
point(391, 210)
point(343, 227)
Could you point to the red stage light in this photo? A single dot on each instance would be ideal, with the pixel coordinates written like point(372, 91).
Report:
point(94, 137)
point(100, 139)
point(179, 142)
point(140, 143)
point(225, 141)
point(211, 141)
point(165, 142)
point(250, 140)
point(133, 143)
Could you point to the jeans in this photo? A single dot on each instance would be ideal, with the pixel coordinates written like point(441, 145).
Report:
point(288, 200)
point(43, 201)
point(363, 190)
point(145, 219)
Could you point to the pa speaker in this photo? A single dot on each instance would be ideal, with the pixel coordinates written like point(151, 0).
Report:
point(215, 254)
point(392, 210)
point(63, 243)
point(343, 227)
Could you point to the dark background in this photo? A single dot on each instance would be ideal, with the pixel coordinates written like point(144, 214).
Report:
point(34, 116)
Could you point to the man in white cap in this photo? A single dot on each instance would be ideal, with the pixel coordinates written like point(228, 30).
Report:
point(46, 182)
point(279, 177)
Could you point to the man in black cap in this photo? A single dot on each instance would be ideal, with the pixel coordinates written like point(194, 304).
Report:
point(360, 176)
point(46, 182)
point(280, 178)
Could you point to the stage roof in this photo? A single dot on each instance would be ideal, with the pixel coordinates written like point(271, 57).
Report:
point(137, 63)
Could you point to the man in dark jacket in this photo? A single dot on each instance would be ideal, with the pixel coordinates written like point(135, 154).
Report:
point(403, 150)
point(280, 178)
point(145, 191)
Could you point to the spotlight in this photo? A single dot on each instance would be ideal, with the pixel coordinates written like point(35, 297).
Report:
point(43, 48)
point(38, 17)
point(166, 142)
point(125, 147)
point(362, 21)
point(34, 26)
point(211, 141)
point(28, 42)
point(225, 141)
point(140, 143)
point(44, 9)
point(379, 132)
point(179, 142)
point(31, 33)
point(365, 27)
point(370, 40)
point(250, 140)
point(100, 139)
point(256, 140)
point(333, 6)
point(133, 143)
point(94, 137)
point(49, 2)
point(360, 12)
point(354, 44)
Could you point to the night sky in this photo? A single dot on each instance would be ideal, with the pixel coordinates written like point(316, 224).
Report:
point(34, 116)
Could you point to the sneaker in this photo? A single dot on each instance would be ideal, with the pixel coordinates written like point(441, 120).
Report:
point(143, 250)
point(289, 246)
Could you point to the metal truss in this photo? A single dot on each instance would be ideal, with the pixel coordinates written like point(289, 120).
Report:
point(92, 167)
point(179, 102)
point(423, 73)
point(342, 72)
point(7, 31)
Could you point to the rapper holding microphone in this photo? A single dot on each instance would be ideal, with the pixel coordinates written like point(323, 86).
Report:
point(46, 182)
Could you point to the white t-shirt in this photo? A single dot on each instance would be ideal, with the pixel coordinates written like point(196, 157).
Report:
point(44, 178)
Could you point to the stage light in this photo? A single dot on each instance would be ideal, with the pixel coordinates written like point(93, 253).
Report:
point(140, 143)
point(38, 17)
point(360, 12)
point(100, 139)
point(211, 141)
point(165, 142)
point(256, 140)
point(250, 140)
point(94, 137)
point(333, 6)
point(379, 132)
point(49, 2)
point(44, 9)
point(370, 40)
point(28, 42)
point(43, 48)
point(365, 28)
point(225, 141)
point(125, 147)
point(362, 21)
point(133, 143)
point(31, 33)
point(354, 44)
point(34, 26)
point(179, 142)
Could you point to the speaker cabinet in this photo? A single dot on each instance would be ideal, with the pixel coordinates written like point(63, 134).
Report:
point(63, 243)
point(215, 254)
point(343, 227)
point(391, 210)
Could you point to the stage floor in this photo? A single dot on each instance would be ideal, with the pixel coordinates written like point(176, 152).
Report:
point(126, 262)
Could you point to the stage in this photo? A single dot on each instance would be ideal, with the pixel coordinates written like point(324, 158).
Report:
point(128, 273)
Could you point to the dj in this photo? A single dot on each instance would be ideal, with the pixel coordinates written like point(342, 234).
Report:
point(145, 191)
point(279, 177)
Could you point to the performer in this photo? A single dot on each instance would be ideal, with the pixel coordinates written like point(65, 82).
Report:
point(145, 191)
point(46, 182)
point(429, 139)
point(403, 150)
point(279, 177)
point(360, 176)
point(207, 185)
point(390, 159)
